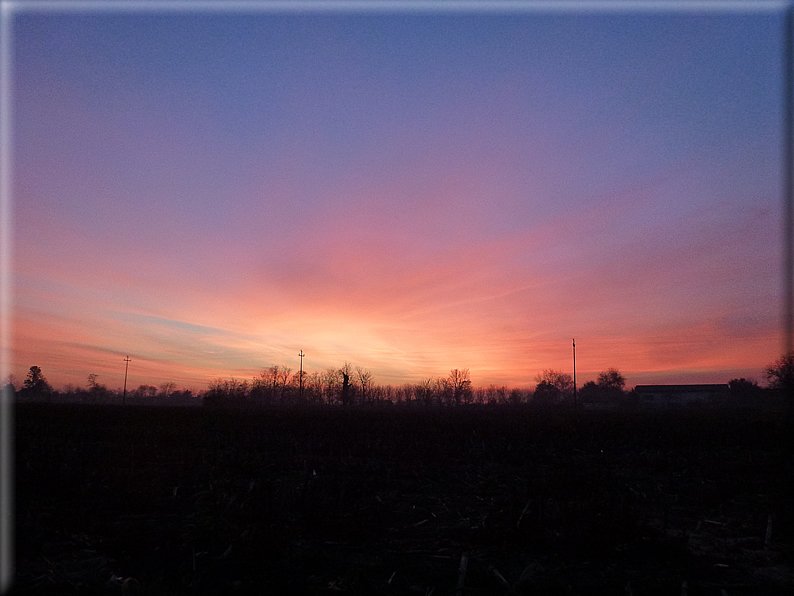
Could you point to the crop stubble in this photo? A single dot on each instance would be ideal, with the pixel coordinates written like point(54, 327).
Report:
point(396, 501)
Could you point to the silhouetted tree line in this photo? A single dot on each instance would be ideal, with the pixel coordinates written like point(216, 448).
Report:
point(348, 386)
point(36, 388)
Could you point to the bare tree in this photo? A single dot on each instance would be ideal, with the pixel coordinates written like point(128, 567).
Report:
point(96, 391)
point(480, 395)
point(459, 383)
point(259, 388)
point(404, 393)
point(561, 380)
point(92, 381)
point(611, 379)
point(270, 377)
point(365, 379)
point(273, 381)
point(491, 394)
point(441, 390)
point(145, 391)
point(230, 389)
point(167, 388)
point(516, 395)
point(11, 380)
point(283, 379)
point(313, 386)
point(425, 391)
point(608, 388)
point(780, 374)
point(546, 393)
point(345, 372)
point(298, 379)
point(387, 394)
point(330, 379)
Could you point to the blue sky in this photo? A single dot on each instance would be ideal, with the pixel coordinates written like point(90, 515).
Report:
point(211, 193)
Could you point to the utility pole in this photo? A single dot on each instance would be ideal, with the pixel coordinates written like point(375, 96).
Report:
point(126, 367)
point(574, 372)
point(300, 376)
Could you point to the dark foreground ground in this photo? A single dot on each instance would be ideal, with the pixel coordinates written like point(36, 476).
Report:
point(170, 501)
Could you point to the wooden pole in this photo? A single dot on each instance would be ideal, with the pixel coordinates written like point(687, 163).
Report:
point(574, 372)
point(300, 376)
point(126, 367)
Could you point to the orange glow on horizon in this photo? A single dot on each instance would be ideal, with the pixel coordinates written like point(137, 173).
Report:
point(508, 203)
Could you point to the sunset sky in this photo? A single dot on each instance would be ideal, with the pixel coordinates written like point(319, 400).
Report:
point(212, 192)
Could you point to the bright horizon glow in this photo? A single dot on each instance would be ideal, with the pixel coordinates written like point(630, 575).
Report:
point(211, 194)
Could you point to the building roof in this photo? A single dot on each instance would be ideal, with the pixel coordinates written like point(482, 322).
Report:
point(712, 388)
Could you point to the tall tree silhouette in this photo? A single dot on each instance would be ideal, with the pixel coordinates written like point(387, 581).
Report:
point(781, 378)
point(35, 385)
point(365, 378)
point(460, 385)
point(781, 374)
point(611, 379)
point(561, 381)
point(345, 372)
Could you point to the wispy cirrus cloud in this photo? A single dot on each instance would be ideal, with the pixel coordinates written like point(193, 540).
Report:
point(445, 193)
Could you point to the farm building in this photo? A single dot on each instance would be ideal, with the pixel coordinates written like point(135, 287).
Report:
point(680, 395)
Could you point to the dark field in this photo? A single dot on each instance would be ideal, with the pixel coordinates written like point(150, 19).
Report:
point(469, 501)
